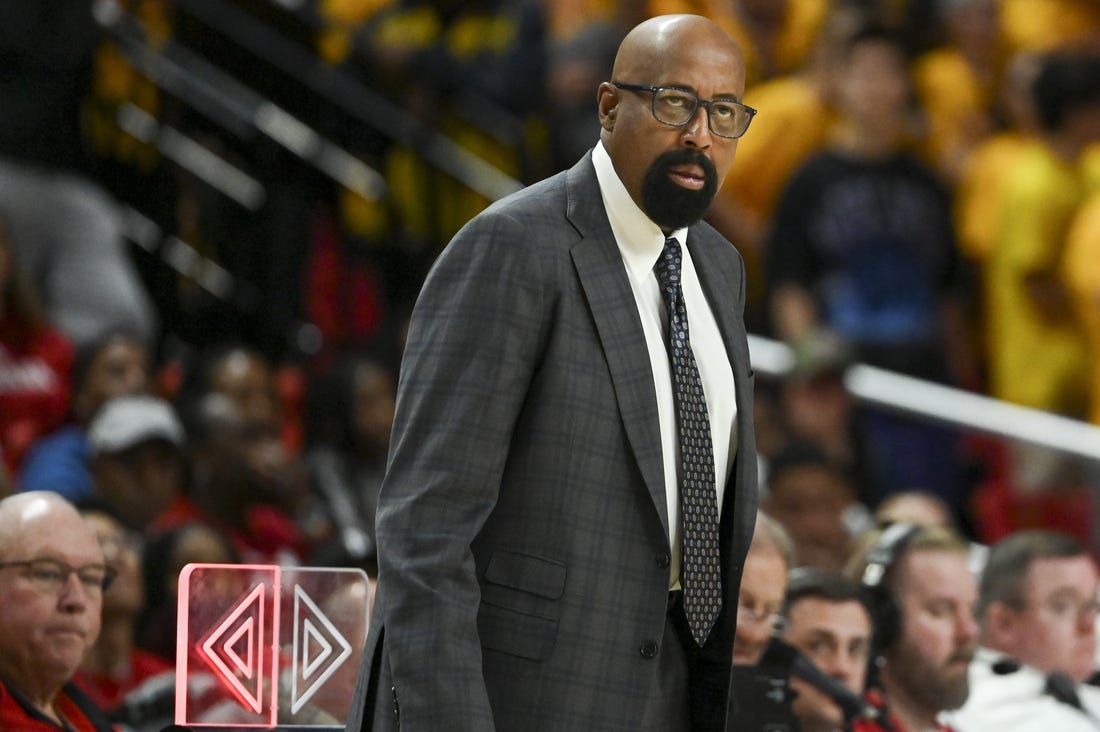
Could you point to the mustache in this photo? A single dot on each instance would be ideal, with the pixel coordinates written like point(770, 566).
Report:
point(963, 654)
point(687, 156)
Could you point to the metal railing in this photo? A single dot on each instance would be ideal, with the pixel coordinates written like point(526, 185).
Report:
point(231, 104)
point(943, 404)
point(354, 98)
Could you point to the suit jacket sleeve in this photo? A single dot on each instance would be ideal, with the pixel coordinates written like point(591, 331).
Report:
point(473, 345)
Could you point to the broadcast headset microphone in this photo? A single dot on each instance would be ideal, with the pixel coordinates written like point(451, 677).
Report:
point(850, 703)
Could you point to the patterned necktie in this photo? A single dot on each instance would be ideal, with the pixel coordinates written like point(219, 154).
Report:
point(700, 573)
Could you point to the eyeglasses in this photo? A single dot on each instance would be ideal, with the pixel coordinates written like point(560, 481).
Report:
point(1071, 607)
point(760, 616)
point(676, 107)
point(50, 575)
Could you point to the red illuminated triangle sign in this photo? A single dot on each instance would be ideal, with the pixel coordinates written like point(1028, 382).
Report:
point(251, 628)
point(313, 646)
point(244, 667)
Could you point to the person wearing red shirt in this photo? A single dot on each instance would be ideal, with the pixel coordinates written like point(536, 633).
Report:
point(52, 577)
point(35, 360)
point(115, 666)
point(923, 596)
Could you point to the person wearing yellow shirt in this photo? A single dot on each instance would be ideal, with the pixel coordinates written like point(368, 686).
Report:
point(978, 191)
point(1043, 25)
point(1081, 268)
point(956, 84)
point(1037, 352)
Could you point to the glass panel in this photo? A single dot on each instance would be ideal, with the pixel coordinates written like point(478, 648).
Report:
point(266, 646)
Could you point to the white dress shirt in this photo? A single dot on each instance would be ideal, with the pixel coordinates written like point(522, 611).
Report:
point(1016, 702)
point(640, 244)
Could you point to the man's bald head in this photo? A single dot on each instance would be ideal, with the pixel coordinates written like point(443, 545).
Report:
point(51, 579)
point(671, 171)
point(654, 38)
point(22, 512)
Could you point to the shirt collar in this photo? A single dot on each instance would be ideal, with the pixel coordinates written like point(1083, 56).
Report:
point(640, 240)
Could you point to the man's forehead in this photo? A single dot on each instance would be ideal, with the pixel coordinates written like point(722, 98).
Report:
point(764, 578)
point(932, 570)
point(1052, 574)
point(41, 527)
point(839, 617)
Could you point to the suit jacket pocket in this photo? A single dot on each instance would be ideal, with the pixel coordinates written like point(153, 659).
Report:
point(542, 577)
point(516, 633)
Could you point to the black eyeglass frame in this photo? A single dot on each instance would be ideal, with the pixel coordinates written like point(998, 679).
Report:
point(699, 102)
point(109, 572)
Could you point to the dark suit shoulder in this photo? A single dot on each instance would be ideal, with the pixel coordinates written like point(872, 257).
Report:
point(535, 202)
point(542, 218)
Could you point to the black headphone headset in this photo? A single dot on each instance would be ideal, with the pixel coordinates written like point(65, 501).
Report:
point(885, 613)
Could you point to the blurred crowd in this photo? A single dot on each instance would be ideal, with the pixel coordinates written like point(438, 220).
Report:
point(920, 191)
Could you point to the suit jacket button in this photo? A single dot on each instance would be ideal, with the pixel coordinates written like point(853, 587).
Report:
point(663, 560)
point(649, 649)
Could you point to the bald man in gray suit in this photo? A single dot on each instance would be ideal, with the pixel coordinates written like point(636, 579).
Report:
point(531, 526)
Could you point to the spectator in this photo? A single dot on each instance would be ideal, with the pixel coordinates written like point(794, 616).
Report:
point(816, 408)
point(245, 484)
point(1036, 347)
point(247, 379)
point(982, 176)
point(922, 600)
point(136, 445)
point(863, 245)
point(114, 667)
point(881, 268)
point(1043, 25)
point(827, 620)
point(813, 500)
point(801, 115)
point(66, 230)
point(759, 690)
point(114, 364)
point(52, 577)
point(1082, 273)
point(915, 507)
point(348, 428)
point(957, 83)
point(166, 554)
point(35, 360)
point(760, 601)
point(1037, 609)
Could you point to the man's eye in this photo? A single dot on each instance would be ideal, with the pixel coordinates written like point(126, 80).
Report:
point(45, 574)
point(675, 100)
point(1062, 607)
point(91, 581)
point(725, 111)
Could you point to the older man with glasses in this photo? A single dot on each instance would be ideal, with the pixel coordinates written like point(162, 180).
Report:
point(52, 577)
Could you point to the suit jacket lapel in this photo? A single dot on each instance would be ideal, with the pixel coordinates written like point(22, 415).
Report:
point(603, 278)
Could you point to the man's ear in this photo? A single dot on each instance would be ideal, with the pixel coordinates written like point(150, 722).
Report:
point(1001, 627)
point(607, 102)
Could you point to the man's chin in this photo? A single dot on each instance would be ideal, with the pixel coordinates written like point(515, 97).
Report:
point(678, 209)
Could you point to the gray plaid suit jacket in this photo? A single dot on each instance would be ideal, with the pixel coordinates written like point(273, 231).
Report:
point(523, 548)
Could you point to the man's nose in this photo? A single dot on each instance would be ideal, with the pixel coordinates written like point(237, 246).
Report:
point(697, 131)
point(75, 596)
point(843, 669)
